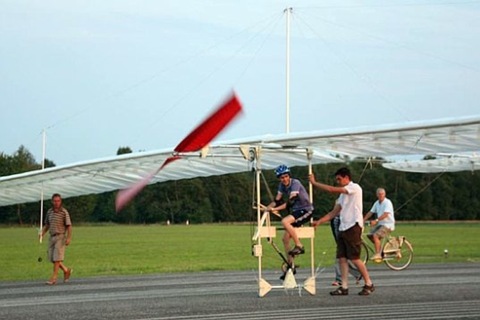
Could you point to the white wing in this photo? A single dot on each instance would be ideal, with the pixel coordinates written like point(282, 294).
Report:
point(452, 163)
point(420, 138)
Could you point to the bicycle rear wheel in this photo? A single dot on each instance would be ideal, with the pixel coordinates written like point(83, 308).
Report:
point(398, 254)
point(363, 256)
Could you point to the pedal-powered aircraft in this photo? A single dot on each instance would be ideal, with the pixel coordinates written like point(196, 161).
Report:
point(195, 156)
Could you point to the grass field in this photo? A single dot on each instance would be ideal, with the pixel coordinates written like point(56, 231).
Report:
point(117, 250)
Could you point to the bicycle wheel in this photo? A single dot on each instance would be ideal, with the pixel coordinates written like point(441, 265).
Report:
point(363, 256)
point(398, 253)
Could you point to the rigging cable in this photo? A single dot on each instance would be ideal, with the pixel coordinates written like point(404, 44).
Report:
point(363, 77)
point(420, 191)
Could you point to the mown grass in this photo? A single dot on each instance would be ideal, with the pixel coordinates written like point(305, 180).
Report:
point(120, 250)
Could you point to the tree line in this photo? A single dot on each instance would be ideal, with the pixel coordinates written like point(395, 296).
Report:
point(229, 198)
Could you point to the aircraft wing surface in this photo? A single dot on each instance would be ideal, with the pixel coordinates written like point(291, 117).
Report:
point(452, 135)
point(452, 163)
point(107, 174)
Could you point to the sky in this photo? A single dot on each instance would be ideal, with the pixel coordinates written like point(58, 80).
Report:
point(99, 75)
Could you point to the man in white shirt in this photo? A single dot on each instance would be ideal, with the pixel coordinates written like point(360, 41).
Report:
point(383, 224)
point(350, 210)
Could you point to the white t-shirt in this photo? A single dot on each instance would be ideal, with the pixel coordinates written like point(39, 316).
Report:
point(379, 208)
point(352, 206)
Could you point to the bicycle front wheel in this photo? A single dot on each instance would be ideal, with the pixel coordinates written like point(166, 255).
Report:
point(398, 254)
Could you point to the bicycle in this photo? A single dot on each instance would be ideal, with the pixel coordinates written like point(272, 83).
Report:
point(397, 252)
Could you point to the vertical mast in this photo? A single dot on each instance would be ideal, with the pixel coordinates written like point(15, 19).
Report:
point(288, 12)
point(41, 192)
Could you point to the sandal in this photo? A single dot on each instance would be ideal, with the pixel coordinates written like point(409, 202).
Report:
point(67, 274)
point(340, 291)
point(366, 290)
point(296, 251)
point(51, 282)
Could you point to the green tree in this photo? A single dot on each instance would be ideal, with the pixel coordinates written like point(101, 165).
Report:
point(123, 150)
point(104, 210)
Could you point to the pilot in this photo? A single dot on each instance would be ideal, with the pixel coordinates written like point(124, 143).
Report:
point(292, 196)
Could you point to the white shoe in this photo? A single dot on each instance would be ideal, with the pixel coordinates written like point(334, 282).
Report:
point(377, 258)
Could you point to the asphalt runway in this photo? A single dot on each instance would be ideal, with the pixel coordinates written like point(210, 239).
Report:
point(427, 291)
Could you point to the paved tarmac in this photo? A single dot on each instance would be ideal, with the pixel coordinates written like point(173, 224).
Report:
point(427, 291)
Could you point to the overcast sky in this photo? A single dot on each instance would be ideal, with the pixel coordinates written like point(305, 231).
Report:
point(97, 75)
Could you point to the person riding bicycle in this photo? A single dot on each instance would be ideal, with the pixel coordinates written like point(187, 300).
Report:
point(383, 224)
point(299, 206)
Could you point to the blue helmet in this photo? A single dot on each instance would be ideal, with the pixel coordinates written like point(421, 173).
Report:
point(282, 169)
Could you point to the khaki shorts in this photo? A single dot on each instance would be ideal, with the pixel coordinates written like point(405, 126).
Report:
point(380, 231)
point(56, 248)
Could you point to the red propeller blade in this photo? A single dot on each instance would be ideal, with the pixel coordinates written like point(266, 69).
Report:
point(196, 140)
point(211, 126)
